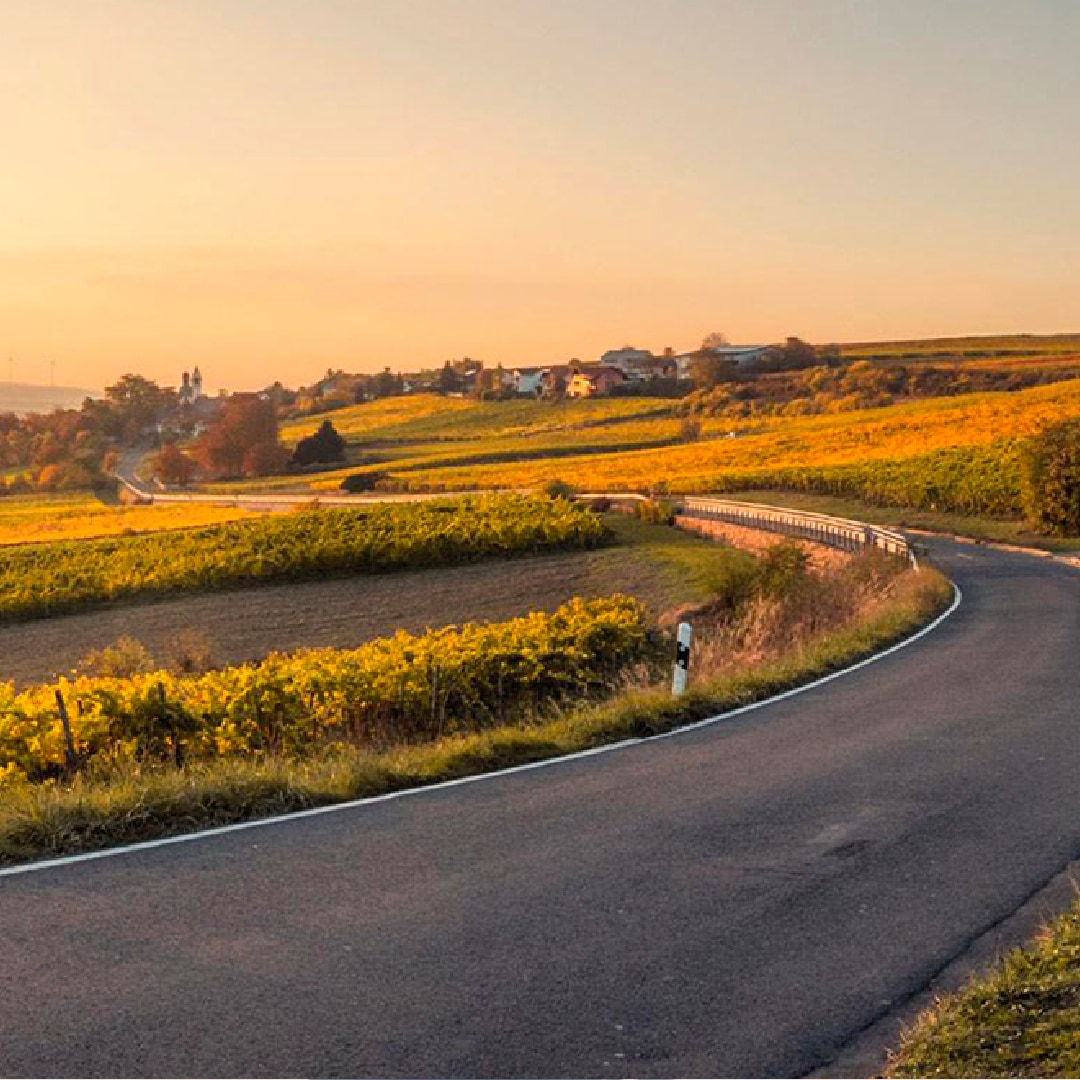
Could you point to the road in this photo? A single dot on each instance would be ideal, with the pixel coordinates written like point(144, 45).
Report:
point(739, 900)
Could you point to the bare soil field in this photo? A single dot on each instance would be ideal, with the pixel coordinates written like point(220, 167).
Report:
point(248, 624)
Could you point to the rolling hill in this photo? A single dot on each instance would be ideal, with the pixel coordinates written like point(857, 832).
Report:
point(25, 398)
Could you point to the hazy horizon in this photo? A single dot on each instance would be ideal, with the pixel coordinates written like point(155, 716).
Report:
point(268, 188)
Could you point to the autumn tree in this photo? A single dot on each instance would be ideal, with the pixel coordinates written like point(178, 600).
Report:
point(449, 380)
point(246, 421)
point(265, 458)
point(386, 384)
point(792, 355)
point(173, 466)
point(708, 371)
point(715, 340)
point(131, 406)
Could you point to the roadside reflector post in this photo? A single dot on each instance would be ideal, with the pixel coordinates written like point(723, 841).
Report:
point(682, 659)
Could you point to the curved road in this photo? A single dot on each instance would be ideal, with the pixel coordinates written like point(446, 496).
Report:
point(741, 899)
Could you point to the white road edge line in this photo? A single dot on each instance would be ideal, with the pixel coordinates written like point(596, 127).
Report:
point(334, 808)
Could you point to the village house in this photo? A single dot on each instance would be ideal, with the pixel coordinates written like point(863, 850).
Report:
point(640, 365)
point(626, 359)
point(529, 382)
point(594, 381)
point(741, 355)
point(556, 378)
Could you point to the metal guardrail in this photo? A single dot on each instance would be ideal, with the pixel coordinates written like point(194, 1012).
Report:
point(819, 528)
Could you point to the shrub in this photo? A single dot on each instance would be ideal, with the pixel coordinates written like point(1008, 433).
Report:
point(655, 511)
point(784, 569)
point(189, 652)
point(557, 489)
point(1050, 479)
point(123, 659)
point(358, 483)
point(391, 690)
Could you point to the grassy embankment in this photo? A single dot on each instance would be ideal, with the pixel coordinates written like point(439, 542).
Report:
point(1023, 1019)
point(795, 627)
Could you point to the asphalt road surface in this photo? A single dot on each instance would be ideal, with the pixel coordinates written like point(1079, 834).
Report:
point(740, 900)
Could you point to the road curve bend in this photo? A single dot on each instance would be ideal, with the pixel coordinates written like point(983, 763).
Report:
point(739, 900)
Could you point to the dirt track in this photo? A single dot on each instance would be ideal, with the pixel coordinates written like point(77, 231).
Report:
point(249, 623)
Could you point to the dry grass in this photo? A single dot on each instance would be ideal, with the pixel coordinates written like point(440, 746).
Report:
point(788, 619)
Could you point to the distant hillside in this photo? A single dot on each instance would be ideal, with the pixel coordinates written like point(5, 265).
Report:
point(21, 398)
point(1001, 345)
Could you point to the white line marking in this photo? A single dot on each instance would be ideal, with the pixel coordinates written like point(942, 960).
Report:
point(333, 808)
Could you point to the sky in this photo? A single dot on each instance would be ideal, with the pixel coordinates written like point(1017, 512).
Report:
point(271, 188)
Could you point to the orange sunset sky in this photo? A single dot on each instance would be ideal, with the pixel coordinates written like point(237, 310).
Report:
point(268, 188)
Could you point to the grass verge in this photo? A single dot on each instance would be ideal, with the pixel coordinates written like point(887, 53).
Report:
point(49, 820)
point(1023, 1019)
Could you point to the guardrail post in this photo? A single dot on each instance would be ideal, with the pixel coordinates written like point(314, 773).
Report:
point(682, 659)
